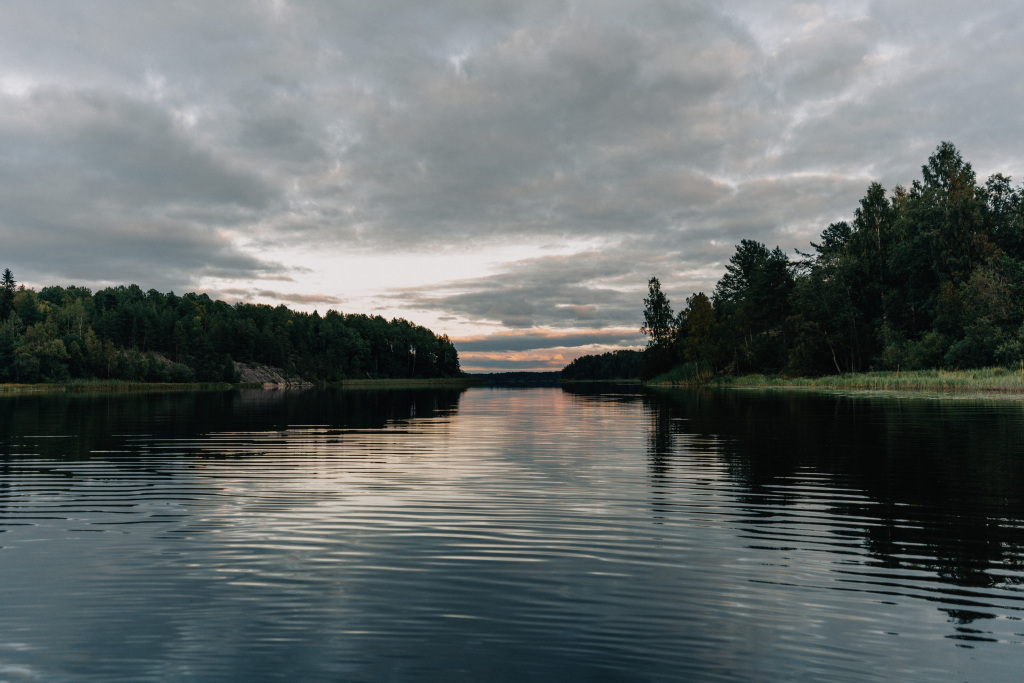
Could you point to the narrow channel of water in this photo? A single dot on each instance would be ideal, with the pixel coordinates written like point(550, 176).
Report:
point(541, 534)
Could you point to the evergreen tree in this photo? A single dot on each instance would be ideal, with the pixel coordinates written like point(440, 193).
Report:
point(125, 333)
point(929, 276)
point(7, 285)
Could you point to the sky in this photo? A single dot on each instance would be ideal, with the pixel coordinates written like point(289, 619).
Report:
point(509, 173)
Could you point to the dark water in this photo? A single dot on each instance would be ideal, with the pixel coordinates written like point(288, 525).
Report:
point(510, 535)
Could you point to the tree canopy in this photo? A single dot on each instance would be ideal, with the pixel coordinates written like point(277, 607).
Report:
point(122, 332)
point(620, 364)
point(930, 275)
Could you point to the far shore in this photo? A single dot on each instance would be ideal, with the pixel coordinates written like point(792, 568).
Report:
point(405, 383)
point(601, 381)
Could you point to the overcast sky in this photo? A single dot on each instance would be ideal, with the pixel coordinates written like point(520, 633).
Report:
point(507, 172)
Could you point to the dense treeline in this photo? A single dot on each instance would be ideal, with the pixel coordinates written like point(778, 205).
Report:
point(621, 364)
point(61, 333)
point(923, 277)
point(525, 378)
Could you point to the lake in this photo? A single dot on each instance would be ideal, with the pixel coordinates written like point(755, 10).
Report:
point(608, 533)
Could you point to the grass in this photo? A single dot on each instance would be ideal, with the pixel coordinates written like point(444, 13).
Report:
point(115, 386)
point(991, 380)
point(123, 386)
point(687, 374)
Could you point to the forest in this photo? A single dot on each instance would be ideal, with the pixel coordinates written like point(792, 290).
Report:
point(620, 364)
point(925, 276)
point(63, 333)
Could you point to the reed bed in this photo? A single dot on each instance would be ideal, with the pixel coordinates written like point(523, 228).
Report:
point(123, 386)
point(994, 380)
point(117, 387)
point(687, 374)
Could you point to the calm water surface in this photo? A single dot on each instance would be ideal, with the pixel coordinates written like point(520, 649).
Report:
point(492, 534)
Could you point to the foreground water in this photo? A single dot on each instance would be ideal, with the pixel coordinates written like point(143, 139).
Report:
point(510, 535)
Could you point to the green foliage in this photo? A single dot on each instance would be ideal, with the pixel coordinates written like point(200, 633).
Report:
point(751, 303)
point(931, 276)
point(982, 380)
point(692, 373)
point(659, 326)
point(658, 322)
point(622, 364)
point(695, 331)
point(7, 284)
point(123, 333)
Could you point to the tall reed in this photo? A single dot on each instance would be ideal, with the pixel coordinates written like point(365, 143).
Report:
point(997, 380)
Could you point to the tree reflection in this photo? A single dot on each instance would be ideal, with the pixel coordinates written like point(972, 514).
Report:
point(944, 480)
point(70, 426)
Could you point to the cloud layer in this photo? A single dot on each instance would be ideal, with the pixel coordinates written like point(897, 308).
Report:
point(569, 150)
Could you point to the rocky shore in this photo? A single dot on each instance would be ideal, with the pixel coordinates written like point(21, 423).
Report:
point(269, 377)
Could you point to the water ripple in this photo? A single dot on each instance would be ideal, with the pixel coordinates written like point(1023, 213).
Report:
point(525, 535)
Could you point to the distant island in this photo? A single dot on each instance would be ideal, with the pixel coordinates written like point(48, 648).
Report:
point(527, 378)
point(925, 278)
point(623, 364)
point(123, 333)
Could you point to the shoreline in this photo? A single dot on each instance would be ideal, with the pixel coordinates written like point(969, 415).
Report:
point(998, 381)
point(601, 381)
point(124, 386)
point(404, 383)
point(117, 386)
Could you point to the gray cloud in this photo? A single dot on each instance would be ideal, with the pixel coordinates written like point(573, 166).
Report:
point(582, 291)
point(525, 342)
point(97, 186)
point(174, 143)
point(258, 295)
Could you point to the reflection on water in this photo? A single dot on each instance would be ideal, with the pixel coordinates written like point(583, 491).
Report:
point(93, 423)
point(932, 491)
point(598, 533)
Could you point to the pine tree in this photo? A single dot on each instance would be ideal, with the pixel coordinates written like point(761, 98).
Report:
point(6, 294)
